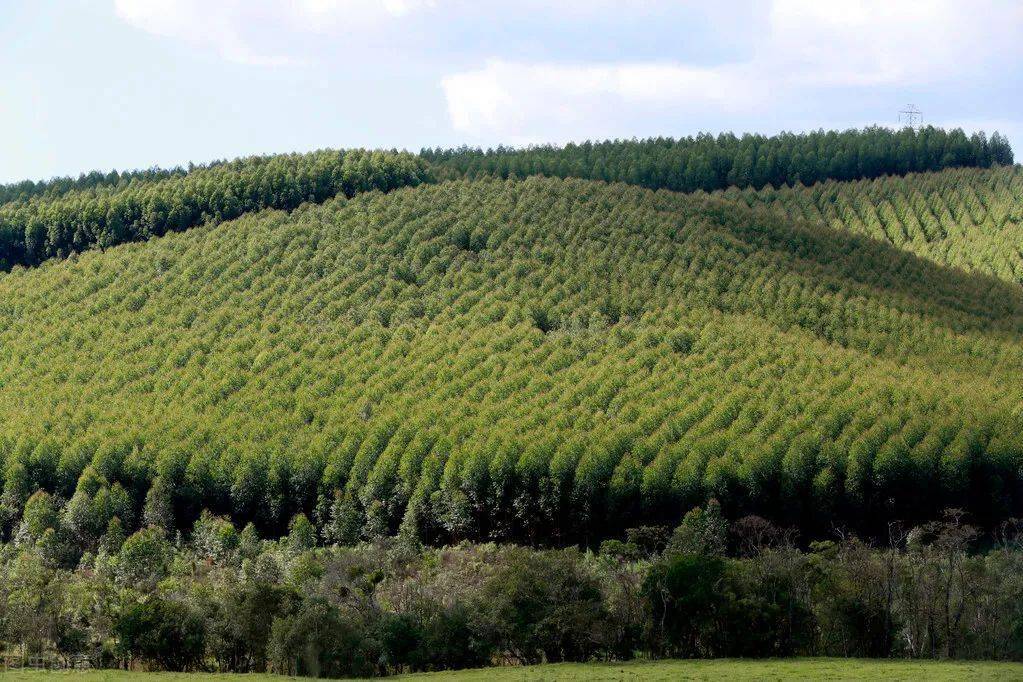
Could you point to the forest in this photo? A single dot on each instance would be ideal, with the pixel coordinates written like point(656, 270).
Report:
point(708, 163)
point(373, 393)
point(542, 361)
point(65, 217)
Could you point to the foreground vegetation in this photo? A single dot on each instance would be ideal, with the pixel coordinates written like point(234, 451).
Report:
point(227, 601)
point(739, 670)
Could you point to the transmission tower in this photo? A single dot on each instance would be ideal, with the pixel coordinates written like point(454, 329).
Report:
point(911, 116)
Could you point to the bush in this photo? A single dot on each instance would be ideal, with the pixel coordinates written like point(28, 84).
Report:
point(318, 641)
point(687, 600)
point(544, 606)
point(162, 633)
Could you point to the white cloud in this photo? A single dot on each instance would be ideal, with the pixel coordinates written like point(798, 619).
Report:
point(518, 100)
point(877, 42)
point(807, 46)
point(234, 27)
point(329, 16)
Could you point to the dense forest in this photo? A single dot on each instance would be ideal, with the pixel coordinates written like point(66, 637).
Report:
point(710, 163)
point(356, 413)
point(55, 187)
point(63, 216)
point(150, 204)
point(969, 218)
point(544, 361)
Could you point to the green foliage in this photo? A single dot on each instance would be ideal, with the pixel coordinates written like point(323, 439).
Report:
point(708, 163)
point(144, 558)
point(968, 218)
point(40, 514)
point(544, 608)
point(386, 608)
point(301, 534)
point(694, 347)
point(317, 641)
point(701, 532)
point(162, 632)
point(685, 595)
point(55, 187)
point(72, 217)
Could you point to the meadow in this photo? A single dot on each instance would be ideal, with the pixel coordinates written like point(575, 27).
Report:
point(738, 670)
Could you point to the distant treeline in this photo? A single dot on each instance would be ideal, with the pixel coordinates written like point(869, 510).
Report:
point(105, 215)
point(40, 220)
point(710, 163)
point(55, 187)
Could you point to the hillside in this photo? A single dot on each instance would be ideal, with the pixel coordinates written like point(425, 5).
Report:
point(546, 360)
point(967, 218)
point(66, 217)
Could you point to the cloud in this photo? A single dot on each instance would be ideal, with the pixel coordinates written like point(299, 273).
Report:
point(879, 42)
point(517, 99)
point(331, 16)
point(234, 28)
point(805, 48)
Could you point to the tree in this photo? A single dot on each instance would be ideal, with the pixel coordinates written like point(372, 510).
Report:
point(40, 514)
point(544, 607)
point(162, 633)
point(301, 534)
point(686, 598)
point(144, 558)
point(701, 532)
point(317, 641)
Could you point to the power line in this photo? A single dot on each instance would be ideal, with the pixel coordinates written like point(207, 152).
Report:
point(911, 116)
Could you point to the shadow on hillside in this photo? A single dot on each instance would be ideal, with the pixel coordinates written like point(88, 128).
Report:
point(932, 289)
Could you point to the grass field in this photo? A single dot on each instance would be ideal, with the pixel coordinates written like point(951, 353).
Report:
point(788, 669)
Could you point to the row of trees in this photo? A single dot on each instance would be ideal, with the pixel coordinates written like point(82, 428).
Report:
point(967, 218)
point(153, 204)
point(534, 361)
point(710, 163)
point(228, 601)
point(55, 187)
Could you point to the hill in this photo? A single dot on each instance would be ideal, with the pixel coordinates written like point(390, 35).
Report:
point(65, 216)
point(545, 360)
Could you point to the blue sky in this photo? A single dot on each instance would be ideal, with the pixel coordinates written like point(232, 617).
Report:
point(121, 84)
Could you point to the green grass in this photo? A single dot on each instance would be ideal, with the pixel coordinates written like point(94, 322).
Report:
point(733, 670)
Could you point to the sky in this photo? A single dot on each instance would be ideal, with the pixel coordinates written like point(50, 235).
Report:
point(102, 84)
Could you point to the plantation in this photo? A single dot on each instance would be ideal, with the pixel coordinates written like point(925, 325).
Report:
point(543, 360)
point(96, 211)
point(710, 163)
point(968, 218)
